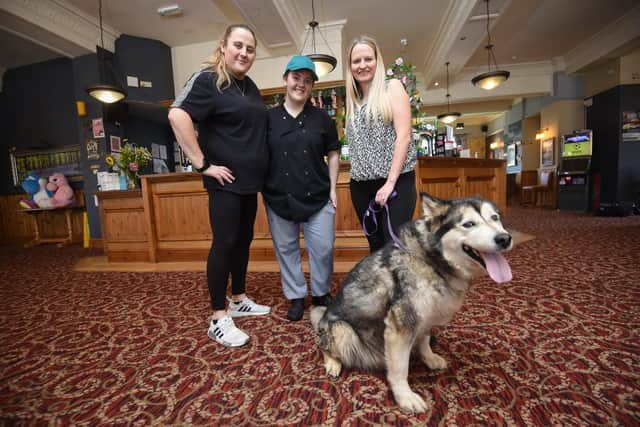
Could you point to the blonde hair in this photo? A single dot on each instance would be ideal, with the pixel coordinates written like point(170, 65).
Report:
point(378, 100)
point(217, 61)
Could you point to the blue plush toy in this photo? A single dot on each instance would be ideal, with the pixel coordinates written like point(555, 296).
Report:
point(31, 186)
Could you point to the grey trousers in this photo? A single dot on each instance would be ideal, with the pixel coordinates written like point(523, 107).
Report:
point(319, 236)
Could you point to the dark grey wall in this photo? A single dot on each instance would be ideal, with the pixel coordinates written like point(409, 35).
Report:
point(629, 163)
point(85, 72)
point(38, 110)
point(616, 162)
point(148, 60)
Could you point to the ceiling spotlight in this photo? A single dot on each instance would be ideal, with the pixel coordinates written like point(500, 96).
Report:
point(436, 84)
point(171, 10)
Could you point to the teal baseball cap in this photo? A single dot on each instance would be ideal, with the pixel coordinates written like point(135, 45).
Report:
point(301, 62)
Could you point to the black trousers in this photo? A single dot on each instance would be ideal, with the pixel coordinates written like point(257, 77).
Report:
point(231, 217)
point(401, 207)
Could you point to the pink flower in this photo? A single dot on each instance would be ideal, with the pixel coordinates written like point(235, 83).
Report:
point(133, 167)
point(404, 80)
point(399, 61)
point(389, 72)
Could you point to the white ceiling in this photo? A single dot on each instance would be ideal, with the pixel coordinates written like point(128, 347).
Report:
point(523, 31)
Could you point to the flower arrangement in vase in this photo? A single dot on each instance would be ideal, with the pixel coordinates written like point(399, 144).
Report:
point(406, 74)
point(131, 160)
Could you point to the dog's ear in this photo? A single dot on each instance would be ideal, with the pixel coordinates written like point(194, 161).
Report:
point(432, 207)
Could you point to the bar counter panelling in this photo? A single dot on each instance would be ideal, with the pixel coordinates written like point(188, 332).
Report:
point(124, 230)
point(168, 220)
point(454, 177)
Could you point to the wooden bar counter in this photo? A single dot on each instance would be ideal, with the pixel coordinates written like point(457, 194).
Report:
point(168, 220)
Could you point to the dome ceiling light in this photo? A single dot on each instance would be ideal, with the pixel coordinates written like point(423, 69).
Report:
point(492, 78)
point(104, 91)
point(448, 117)
point(324, 63)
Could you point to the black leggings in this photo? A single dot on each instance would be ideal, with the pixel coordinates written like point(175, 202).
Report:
point(231, 216)
point(401, 207)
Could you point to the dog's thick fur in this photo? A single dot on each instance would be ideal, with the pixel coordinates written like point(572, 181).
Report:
point(390, 301)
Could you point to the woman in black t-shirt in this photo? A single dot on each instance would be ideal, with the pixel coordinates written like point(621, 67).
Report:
point(231, 154)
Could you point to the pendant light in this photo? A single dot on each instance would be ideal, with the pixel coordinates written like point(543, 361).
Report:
point(324, 63)
point(103, 91)
point(448, 117)
point(490, 79)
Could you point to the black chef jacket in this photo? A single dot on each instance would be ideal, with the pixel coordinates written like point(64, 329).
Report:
point(298, 183)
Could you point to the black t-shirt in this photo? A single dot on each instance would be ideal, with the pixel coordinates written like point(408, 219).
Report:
point(232, 128)
point(298, 182)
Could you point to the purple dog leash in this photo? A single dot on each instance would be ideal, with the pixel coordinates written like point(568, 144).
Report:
point(372, 211)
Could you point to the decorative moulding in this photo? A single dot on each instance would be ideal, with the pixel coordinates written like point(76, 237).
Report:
point(64, 20)
point(447, 35)
point(605, 41)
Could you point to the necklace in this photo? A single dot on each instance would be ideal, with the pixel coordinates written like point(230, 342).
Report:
point(236, 83)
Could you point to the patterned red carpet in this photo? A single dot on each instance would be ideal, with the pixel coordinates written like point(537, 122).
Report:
point(559, 345)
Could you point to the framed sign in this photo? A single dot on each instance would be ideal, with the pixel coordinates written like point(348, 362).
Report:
point(547, 152)
point(114, 144)
point(511, 155)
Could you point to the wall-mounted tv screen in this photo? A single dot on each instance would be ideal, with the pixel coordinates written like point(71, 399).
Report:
point(577, 144)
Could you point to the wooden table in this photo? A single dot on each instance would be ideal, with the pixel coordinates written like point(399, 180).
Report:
point(37, 215)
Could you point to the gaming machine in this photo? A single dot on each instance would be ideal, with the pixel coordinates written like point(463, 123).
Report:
point(574, 171)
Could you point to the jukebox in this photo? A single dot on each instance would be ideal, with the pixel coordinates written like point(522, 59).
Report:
point(574, 171)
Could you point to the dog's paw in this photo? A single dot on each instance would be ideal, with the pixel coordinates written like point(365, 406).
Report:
point(435, 361)
point(332, 367)
point(411, 402)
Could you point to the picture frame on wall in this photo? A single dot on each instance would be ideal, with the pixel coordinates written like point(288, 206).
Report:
point(547, 152)
point(511, 155)
point(114, 144)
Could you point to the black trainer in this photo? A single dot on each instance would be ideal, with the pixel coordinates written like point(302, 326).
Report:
point(324, 300)
point(296, 309)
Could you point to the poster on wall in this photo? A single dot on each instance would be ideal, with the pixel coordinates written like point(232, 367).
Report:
point(511, 155)
point(92, 150)
point(98, 128)
point(630, 126)
point(114, 144)
point(547, 151)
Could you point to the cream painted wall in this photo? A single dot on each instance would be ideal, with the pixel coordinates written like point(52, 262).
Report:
point(623, 70)
point(562, 117)
point(497, 125)
point(472, 131)
point(266, 71)
point(630, 68)
point(530, 146)
point(602, 77)
point(187, 60)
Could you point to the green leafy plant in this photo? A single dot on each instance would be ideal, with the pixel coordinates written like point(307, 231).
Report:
point(406, 74)
point(132, 159)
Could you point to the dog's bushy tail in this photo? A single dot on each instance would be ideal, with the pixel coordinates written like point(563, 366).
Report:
point(315, 315)
point(339, 339)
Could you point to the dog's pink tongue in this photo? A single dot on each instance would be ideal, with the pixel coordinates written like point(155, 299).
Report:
point(497, 267)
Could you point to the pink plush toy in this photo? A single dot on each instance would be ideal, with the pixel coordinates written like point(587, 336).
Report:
point(62, 193)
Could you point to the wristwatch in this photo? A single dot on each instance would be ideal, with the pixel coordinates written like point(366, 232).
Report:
point(205, 165)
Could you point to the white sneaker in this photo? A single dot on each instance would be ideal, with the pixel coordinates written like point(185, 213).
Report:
point(224, 331)
point(247, 307)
